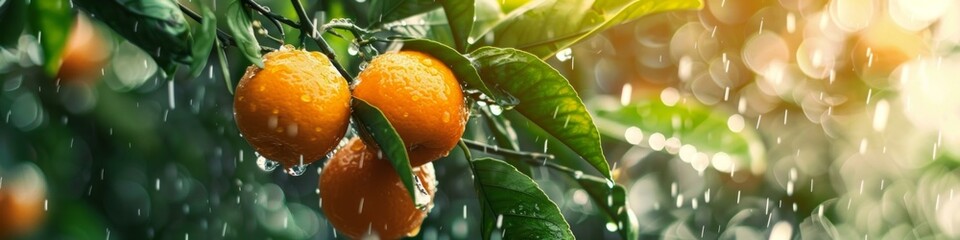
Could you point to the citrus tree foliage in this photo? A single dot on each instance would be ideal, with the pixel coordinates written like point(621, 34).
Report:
point(498, 58)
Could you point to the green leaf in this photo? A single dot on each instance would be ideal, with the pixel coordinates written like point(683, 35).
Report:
point(224, 67)
point(546, 99)
point(156, 26)
point(385, 11)
point(460, 17)
point(12, 16)
point(461, 67)
point(374, 126)
point(692, 123)
point(52, 20)
point(203, 43)
point(516, 204)
point(612, 201)
point(569, 21)
point(240, 25)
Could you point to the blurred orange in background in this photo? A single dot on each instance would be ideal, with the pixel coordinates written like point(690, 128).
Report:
point(85, 55)
point(23, 193)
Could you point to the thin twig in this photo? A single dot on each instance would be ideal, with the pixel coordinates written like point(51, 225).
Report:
point(532, 158)
point(277, 19)
point(225, 38)
point(307, 28)
point(506, 152)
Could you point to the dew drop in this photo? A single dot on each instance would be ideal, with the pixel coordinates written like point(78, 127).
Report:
point(266, 164)
point(296, 170)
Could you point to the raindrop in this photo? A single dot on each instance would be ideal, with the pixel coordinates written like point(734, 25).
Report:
point(496, 110)
point(295, 170)
point(353, 50)
point(880, 115)
point(624, 94)
point(565, 54)
point(679, 200)
point(266, 164)
point(612, 227)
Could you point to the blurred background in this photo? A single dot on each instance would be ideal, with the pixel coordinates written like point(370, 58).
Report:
point(780, 119)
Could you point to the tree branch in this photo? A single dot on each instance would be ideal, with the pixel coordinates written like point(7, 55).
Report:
point(307, 28)
point(225, 38)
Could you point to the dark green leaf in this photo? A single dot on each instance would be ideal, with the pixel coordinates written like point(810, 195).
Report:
point(461, 67)
point(611, 199)
point(460, 17)
point(546, 99)
point(569, 21)
point(374, 126)
point(692, 123)
point(385, 11)
point(204, 38)
point(238, 20)
point(224, 67)
point(52, 20)
point(516, 204)
point(12, 16)
point(156, 26)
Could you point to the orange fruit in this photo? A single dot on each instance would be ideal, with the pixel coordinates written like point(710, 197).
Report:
point(21, 200)
point(84, 55)
point(361, 194)
point(420, 97)
point(295, 109)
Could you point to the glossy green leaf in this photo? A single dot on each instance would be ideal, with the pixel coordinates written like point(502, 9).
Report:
point(688, 121)
point(546, 99)
point(374, 126)
point(461, 67)
point(12, 16)
point(516, 204)
point(385, 11)
point(239, 22)
point(611, 199)
point(203, 40)
point(156, 26)
point(546, 27)
point(460, 17)
point(224, 67)
point(52, 20)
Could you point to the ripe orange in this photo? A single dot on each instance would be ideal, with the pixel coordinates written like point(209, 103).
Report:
point(84, 55)
point(421, 98)
point(297, 107)
point(361, 194)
